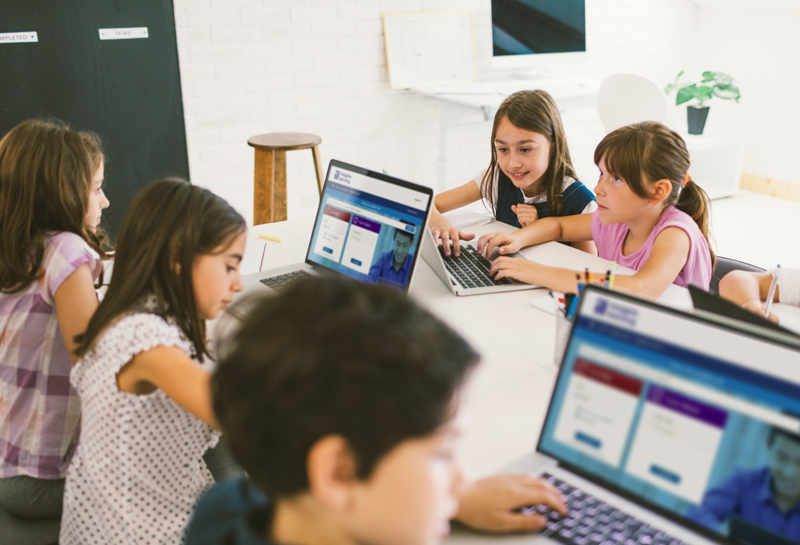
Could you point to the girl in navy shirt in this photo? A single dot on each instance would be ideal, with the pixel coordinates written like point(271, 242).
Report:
point(530, 175)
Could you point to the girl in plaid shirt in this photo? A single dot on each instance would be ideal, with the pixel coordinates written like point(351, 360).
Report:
point(51, 202)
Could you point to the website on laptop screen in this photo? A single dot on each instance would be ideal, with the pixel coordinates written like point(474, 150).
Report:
point(694, 418)
point(367, 228)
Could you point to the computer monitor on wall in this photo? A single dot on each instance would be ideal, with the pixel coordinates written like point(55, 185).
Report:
point(528, 35)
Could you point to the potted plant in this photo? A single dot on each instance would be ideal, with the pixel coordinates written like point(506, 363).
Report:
point(713, 84)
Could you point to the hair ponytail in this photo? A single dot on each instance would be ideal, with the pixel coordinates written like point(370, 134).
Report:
point(695, 202)
point(650, 151)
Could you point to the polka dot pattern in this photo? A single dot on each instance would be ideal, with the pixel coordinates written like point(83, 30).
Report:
point(138, 469)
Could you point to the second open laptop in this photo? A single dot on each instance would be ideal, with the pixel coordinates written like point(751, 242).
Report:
point(369, 227)
point(467, 274)
point(664, 427)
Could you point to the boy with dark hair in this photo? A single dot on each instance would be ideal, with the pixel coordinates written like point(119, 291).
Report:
point(341, 401)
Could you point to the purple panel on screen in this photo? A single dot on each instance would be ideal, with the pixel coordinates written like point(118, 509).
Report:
point(687, 407)
point(373, 226)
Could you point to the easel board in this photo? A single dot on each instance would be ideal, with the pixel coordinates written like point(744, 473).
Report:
point(430, 48)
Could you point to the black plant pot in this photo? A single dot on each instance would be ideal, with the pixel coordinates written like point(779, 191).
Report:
point(696, 118)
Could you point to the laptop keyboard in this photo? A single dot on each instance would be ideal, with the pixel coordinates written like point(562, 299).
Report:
point(592, 521)
point(283, 281)
point(471, 269)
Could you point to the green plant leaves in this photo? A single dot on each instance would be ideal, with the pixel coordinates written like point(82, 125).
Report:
point(721, 85)
point(728, 91)
point(701, 93)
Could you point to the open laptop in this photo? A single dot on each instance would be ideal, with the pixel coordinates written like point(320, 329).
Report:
point(664, 425)
point(369, 227)
point(467, 274)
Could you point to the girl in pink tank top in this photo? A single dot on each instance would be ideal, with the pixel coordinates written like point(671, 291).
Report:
point(651, 217)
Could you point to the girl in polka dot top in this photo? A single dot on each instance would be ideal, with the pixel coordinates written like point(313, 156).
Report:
point(145, 393)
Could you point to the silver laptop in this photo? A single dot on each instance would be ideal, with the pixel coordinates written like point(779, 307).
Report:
point(369, 227)
point(467, 274)
point(668, 427)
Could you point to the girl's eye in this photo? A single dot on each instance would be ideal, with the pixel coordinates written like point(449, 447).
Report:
point(525, 150)
point(502, 150)
point(231, 269)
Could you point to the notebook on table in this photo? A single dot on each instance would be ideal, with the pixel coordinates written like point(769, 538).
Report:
point(666, 426)
point(369, 226)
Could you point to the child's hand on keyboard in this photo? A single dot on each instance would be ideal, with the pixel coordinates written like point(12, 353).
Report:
point(504, 243)
point(442, 229)
point(516, 268)
point(494, 503)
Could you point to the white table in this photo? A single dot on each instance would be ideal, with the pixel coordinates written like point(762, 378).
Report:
point(485, 97)
point(509, 393)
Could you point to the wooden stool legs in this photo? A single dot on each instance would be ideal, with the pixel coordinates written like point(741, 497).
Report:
point(270, 187)
point(318, 168)
point(269, 191)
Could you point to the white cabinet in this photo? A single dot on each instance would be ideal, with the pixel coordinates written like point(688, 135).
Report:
point(716, 162)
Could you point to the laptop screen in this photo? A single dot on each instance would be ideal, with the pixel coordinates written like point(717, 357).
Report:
point(691, 417)
point(369, 225)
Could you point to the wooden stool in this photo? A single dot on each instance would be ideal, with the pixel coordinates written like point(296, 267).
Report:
point(269, 192)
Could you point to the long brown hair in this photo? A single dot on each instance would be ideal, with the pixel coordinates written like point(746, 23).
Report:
point(166, 227)
point(534, 111)
point(648, 152)
point(46, 173)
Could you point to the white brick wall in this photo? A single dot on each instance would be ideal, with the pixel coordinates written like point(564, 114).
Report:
point(255, 66)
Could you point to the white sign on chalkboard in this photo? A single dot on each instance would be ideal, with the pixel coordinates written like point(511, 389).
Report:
point(429, 48)
point(132, 33)
point(18, 37)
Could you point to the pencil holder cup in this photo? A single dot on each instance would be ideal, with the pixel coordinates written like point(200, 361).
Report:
point(563, 328)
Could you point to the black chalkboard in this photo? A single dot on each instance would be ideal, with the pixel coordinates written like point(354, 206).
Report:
point(127, 91)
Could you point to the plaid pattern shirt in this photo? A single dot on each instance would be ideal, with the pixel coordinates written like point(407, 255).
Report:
point(39, 409)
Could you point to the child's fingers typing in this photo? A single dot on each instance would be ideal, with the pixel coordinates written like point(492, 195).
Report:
point(510, 267)
point(501, 503)
point(504, 242)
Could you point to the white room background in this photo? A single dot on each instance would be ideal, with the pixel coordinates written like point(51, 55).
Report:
point(256, 66)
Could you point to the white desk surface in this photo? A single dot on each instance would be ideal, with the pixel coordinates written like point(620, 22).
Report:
point(509, 393)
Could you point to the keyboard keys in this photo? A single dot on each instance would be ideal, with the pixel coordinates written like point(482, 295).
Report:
point(593, 522)
point(471, 269)
point(283, 281)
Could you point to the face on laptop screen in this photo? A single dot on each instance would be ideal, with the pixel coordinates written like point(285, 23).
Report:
point(691, 416)
point(368, 228)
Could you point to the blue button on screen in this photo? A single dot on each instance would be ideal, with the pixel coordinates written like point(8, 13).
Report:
point(355, 261)
point(665, 474)
point(410, 228)
point(327, 250)
point(588, 439)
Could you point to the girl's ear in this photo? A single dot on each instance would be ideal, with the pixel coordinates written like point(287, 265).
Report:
point(331, 471)
point(661, 190)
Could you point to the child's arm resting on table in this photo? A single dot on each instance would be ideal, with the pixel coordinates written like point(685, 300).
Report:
point(171, 370)
point(445, 202)
point(565, 228)
point(748, 289)
point(667, 259)
point(493, 503)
